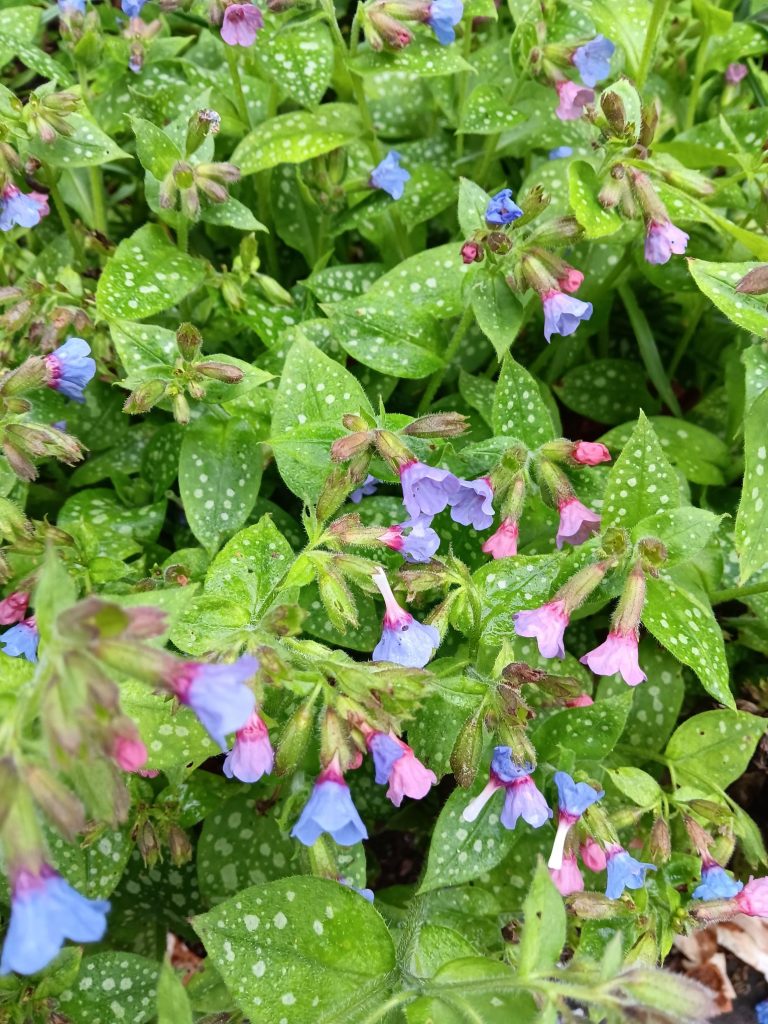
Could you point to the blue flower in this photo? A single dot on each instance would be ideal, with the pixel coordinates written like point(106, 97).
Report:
point(389, 176)
point(426, 489)
point(404, 641)
point(18, 209)
point(624, 872)
point(560, 152)
point(716, 884)
point(522, 799)
point(71, 7)
point(218, 695)
point(501, 209)
point(385, 751)
point(330, 809)
point(575, 797)
point(593, 60)
point(505, 768)
point(414, 539)
point(45, 911)
point(473, 505)
point(71, 368)
point(132, 7)
point(366, 488)
point(443, 15)
point(21, 641)
point(563, 313)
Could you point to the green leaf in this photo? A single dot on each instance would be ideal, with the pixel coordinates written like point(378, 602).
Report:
point(699, 454)
point(684, 531)
point(591, 732)
point(467, 994)
point(512, 585)
point(34, 58)
point(473, 202)
point(752, 517)
point(171, 740)
point(627, 24)
point(543, 935)
point(424, 57)
point(637, 785)
point(380, 338)
point(146, 275)
point(299, 950)
point(219, 477)
point(87, 146)
point(250, 565)
point(106, 527)
point(112, 987)
point(713, 748)
point(686, 626)
point(231, 214)
point(314, 393)
point(156, 150)
point(487, 112)
point(173, 1005)
point(606, 390)
point(143, 346)
point(583, 187)
point(649, 351)
point(296, 137)
point(429, 281)
point(641, 481)
point(299, 58)
point(718, 282)
point(498, 311)
point(518, 408)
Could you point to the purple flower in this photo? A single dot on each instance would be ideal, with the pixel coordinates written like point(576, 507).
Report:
point(67, 7)
point(563, 313)
point(414, 539)
point(427, 490)
point(330, 809)
point(404, 641)
point(624, 872)
point(735, 72)
point(560, 153)
point(521, 799)
point(385, 750)
point(573, 98)
point(396, 763)
point(593, 60)
point(70, 368)
point(218, 694)
point(618, 653)
point(716, 883)
point(20, 210)
point(443, 15)
point(501, 209)
point(21, 641)
point(45, 911)
point(241, 24)
point(366, 488)
point(577, 523)
point(389, 176)
point(473, 505)
point(132, 7)
point(663, 240)
point(252, 755)
point(573, 799)
point(547, 624)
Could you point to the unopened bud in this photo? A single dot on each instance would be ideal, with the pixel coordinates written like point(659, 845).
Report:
point(438, 424)
point(392, 449)
point(179, 845)
point(660, 841)
point(21, 466)
point(613, 107)
point(274, 291)
point(147, 842)
point(34, 372)
point(181, 411)
point(754, 282)
point(336, 596)
point(558, 231)
point(498, 242)
point(649, 123)
point(189, 341)
point(344, 448)
point(202, 123)
point(393, 32)
point(295, 737)
point(352, 421)
point(224, 372)
point(144, 397)
point(58, 804)
point(465, 756)
point(591, 906)
point(13, 523)
point(472, 252)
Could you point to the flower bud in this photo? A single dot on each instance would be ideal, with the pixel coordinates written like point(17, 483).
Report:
point(335, 594)
point(754, 282)
point(147, 842)
point(472, 252)
point(189, 341)
point(660, 841)
point(224, 372)
point(467, 750)
point(179, 846)
point(13, 523)
point(392, 449)
point(21, 466)
point(558, 231)
point(591, 906)
point(438, 424)
point(295, 737)
point(9, 781)
point(498, 242)
point(389, 29)
point(344, 448)
point(180, 407)
point(351, 421)
point(34, 372)
point(58, 804)
point(201, 124)
point(273, 290)
point(613, 108)
point(144, 397)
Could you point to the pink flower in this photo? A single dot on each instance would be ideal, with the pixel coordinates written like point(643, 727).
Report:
point(735, 72)
point(13, 608)
point(593, 855)
point(547, 624)
point(590, 453)
point(129, 753)
point(409, 777)
point(582, 701)
point(252, 755)
point(503, 543)
point(753, 898)
point(241, 24)
point(568, 877)
point(577, 523)
point(571, 280)
point(618, 653)
point(662, 240)
point(471, 252)
point(40, 199)
point(573, 99)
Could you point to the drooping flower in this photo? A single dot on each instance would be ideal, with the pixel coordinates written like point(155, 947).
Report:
point(593, 855)
point(70, 368)
point(735, 72)
point(573, 799)
point(426, 489)
point(14, 607)
point(662, 240)
point(404, 641)
point(389, 176)
point(560, 153)
point(590, 453)
point(573, 98)
point(365, 490)
point(716, 883)
point(563, 313)
point(547, 624)
point(567, 877)
point(570, 279)
point(21, 641)
point(521, 797)
point(593, 60)
point(577, 523)
point(752, 900)
point(473, 504)
point(624, 872)
point(45, 912)
point(241, 24)
point(503, 543)
point(501, 208)
point(218, 694)
point(132, 8)
point(17, 209)
point(414, 539)
point(442, 16)
point(396, 763)
point(617, 653)
point(252, 755)
point(330, 809)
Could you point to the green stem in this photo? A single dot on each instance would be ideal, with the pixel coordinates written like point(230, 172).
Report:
point(739, 593)
point(391, 1004)
point(237, 84)
point(69, 227)
point(685, 338)
point(654, 24)
point(698, 76)
point(453, 347)
point(649, 352)
point(182, 235)
point(98, 206)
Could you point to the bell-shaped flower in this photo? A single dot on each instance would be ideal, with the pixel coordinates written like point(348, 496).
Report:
point(252, 755)
point(573, 98)
point(396, 763)
point(389, 176)
point(404, 641)
point(21, 640)
point(241, 24)
point(14, 607)
point(503, 543)
point(502, 209)
point(330, 809)
point(414, 539)
point(593, 855)
point(547, 624)
point(521, 797)
point(426, 489)
point(365, 490)
point(617, 654)
point(752, 900)
point(573, 799)
point(218, 694)
point(70, 368)
point(567, 877)
point(577, 523)
point(442, 16)
point(563, 313)
point(716, 883)
point(624, 872)
point(593, 60)
point(663, 240)
point(17, 209)
point(473, 504)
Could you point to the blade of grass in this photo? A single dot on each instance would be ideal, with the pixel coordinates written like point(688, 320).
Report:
point(648, 350)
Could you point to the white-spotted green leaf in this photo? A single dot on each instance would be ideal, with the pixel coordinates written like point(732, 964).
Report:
point(473, 989)
point(478, 392)
point(512, 585)
point(299, 58)
point(718, 282)
point(498, 311)
point(543, 935)
point(697, 453)
point(683, 531)
point(343, 281)
point(519, 409)
point(606, 390)
point(626, 24)
point(112, 987)
point(296, 137)
point(635, 784)
point(209, 623)
point(591, 732)
point(383, 340)
point(172, 738)
point(583, 187)
point(219, 476)
point(156, 150)
point(314, 393)
point(87, 146)
point(487, 111)
point(685, 624)
point(107, 528)
point(145, 275)
point(713, 748)
point(711, 142)
point(34, 58)
point(473, 202)
point(300, 950)
point(641, 482)
point(250, 565)
point(752, 517)
point(231, 214)
point(96, 869)
point(141, 346)
point(429, 281)
point(424, 57)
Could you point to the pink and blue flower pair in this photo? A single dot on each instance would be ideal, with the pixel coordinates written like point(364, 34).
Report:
point(20, 209)
point(522, 798)
point(396, 764)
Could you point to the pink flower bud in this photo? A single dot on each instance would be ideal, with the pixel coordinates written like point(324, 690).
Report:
point(571, 280)
point(735, 72)
point(590, 453)
point(503, 543)
point(13, 608)
point(129, 753)
point(573, 99)
point(582, 701)
point(471, 252)
point(753, 898)
point(568, 877)
point(593, 855)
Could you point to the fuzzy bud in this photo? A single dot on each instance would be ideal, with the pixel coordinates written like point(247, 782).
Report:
point(467, 750)
point(58, 804)
point(295, 737)
point(345, 448)
point(224, 372)
point(144, 397)
point(189, 341)
point(755, 282)
point(438, 424)
point(660, 842)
